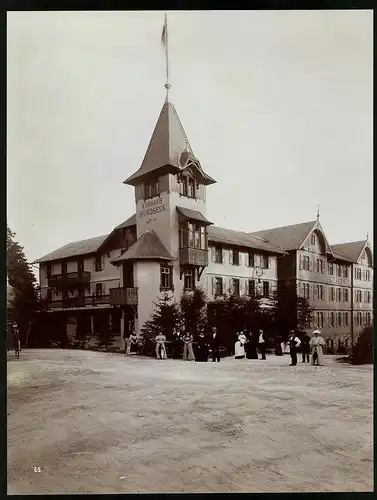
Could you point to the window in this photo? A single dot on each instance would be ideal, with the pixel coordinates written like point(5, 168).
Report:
point(98, 263)
point(236, 286)
point(151, 188)
point(305, 289)
point(251, 288)
point(338, 294)
point(345, 295)
point(358, 273)
point(363, 255)
point(368, 297)
point(345, 272)
point(236, 257)
point(188, 280)
point(318, 266)
point(338, 270)
point(48, 270)
point(331, 269)
point(320, 292)
point(345, 319)
point(266, 288)
point(99, 289)
point(332, 294)
point(319, 319)
point(331, 319)
point(191, 188)
point(312, 240)
point(305, 262)
point(368, 318)
point(218, 286)
point(338, 319)
point(49, 294)
point(188, 187)
point(183, 190)
point(218, 255)
point(358, 319)
point(264, 261)
point(358, 296)
point(166, 278)
point(251, 259)
point(322, 266)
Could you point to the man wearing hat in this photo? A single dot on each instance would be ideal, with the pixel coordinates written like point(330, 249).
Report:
point(294, 343)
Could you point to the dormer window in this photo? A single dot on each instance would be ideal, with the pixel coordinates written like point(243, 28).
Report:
point(151, 189)
point(188, 186)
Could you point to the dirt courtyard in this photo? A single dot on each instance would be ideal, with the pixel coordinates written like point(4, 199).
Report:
point(81, 422)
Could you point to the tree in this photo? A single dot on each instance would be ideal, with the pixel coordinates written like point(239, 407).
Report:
point(233, 313)
point(362, 351)
point(304, 313)
point(26, 300)
point(165, 319)
point(193, 309)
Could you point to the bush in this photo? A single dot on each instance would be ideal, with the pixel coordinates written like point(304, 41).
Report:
point(362, 352)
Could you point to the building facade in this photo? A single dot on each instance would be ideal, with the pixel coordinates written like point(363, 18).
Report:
point(112, 281)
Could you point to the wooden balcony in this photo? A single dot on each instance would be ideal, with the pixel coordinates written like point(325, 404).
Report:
point(69, 280)
point(193, 256)
point(91, 300)
point(124, 296)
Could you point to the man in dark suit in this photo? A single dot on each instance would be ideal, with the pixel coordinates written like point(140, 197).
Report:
point(214, 342)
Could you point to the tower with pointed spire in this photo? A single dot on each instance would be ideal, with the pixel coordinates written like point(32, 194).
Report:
point(170, 195)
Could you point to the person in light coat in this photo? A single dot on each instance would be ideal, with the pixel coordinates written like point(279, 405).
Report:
point(160, 346)
point(317, 344)
point(239, 347)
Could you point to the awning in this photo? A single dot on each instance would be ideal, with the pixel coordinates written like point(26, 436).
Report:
point(193, 215)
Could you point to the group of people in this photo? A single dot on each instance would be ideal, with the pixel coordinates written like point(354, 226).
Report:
point(247, 345)
point(197, 349)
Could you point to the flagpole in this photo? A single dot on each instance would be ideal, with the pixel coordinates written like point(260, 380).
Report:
point(167, 85)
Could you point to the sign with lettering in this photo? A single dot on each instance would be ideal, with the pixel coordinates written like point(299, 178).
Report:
point(152, 207)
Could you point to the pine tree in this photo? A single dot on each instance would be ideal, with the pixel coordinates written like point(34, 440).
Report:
point(362, 351)
point(193, 309)
point(166, 319)
point(26, 300)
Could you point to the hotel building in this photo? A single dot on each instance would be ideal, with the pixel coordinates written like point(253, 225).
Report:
point(112, 281)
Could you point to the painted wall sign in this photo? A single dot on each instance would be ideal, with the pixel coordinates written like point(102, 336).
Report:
point(151, 207)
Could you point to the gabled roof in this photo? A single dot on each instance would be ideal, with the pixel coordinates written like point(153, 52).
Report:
point(239, 238)
point(147, 247)
point(74, 249)
point(193, 215)
point(287, 237)
point(341, 257)
point(131, 221)
point(351, 250)
point(168, 141)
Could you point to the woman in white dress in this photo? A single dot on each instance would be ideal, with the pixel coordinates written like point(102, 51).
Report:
point(239, 348)
point(317, 344)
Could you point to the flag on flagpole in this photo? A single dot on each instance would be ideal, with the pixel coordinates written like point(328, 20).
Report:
point(164, 33)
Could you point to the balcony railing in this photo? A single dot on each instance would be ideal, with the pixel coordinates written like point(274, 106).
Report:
point(69, 279)
point(91, 300)
point(193, 256)
point(124, 296)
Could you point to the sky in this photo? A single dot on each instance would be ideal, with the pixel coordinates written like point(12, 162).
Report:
point(277, 106)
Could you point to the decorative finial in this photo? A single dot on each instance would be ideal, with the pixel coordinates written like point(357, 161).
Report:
point(317, 212)
point(367, 235)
